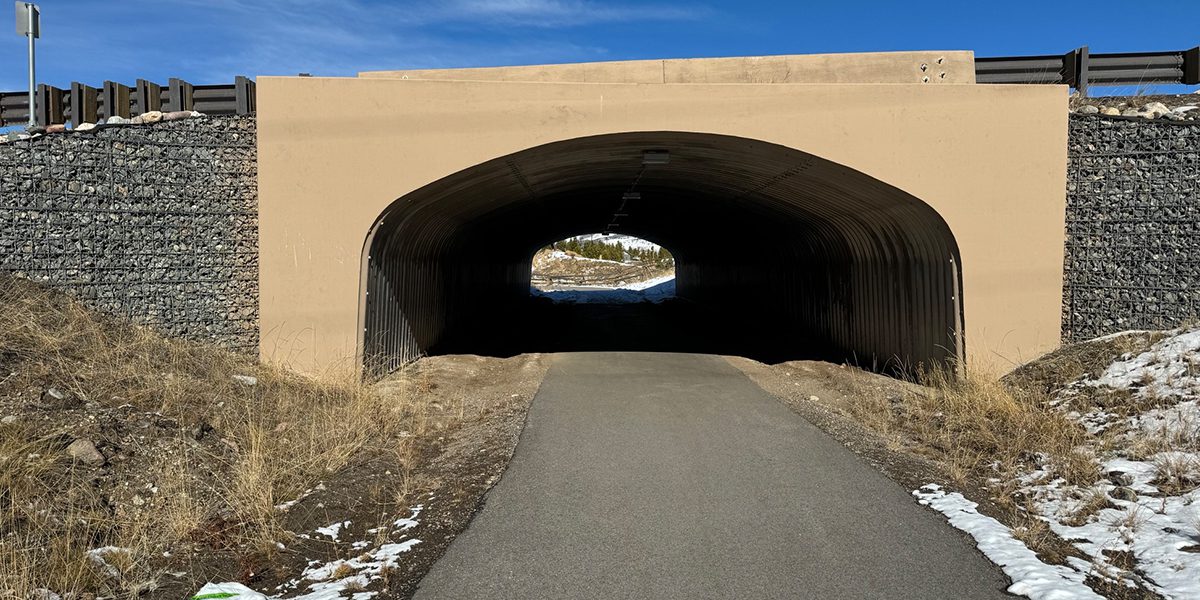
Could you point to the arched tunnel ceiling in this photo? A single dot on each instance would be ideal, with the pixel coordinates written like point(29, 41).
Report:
point(835, 252)
point(710, 184)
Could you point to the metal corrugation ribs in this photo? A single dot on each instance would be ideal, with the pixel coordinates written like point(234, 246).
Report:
point(828, 254)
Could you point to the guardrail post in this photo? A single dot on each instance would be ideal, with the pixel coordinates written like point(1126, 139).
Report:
point(181, 95)
point(49, 105)
point(1075, 69)
point(83, 104)
point(244, 92)
point(116, 100)
point(1191, 66)
point(148, 96)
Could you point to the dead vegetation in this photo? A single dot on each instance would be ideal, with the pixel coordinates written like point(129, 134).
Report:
point(1046, 428)
point(129, 462)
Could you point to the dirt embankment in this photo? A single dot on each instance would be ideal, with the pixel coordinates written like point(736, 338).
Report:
point(554, 269)
point(137, 466)
point(1090, 455)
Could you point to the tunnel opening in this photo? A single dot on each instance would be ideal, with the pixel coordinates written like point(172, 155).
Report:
point(778, 255)
point(603, 268)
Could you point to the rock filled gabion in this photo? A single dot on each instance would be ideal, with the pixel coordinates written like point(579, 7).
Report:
point(157, 223)
point(1133, 225)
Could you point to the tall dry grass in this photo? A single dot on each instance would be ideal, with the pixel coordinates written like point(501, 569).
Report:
point(278, 438)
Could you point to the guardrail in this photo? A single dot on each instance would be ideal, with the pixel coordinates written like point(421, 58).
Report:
point(1080, 69)
point(85, 104)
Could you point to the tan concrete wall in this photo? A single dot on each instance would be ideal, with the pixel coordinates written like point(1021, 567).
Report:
point(868, 67)
point(990, 159)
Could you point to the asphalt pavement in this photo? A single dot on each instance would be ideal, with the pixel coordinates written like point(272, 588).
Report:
point(662, 476)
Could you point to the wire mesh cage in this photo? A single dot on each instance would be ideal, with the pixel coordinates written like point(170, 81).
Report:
point(1133, 226)
point(157, 224)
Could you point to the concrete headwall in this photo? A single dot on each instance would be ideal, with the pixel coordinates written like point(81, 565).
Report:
point(1133, 225)
point(157, 223)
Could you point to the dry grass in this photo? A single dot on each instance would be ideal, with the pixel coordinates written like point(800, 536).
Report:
point(277, 438)
point(978, 426)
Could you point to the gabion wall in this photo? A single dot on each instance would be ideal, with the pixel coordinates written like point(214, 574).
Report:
point(1133, 225)
point(157, 223)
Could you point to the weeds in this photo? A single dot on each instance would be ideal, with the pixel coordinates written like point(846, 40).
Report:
point(277, 437)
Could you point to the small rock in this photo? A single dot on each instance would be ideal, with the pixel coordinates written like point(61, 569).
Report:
point(85, 452)
point(1110, 111)
point(813, 399)
point(1157, 109)
point(1130, 112)
point(196, 113)
point(35, 130)
point(1123, 493)
point(85, 127)
point(116, 120)
point(1120, 478)
point(138, 500)
point(56, 128)
point(1088, 109)
point(136, 120)
point(9, 420)
point(43, 594)
point(176, 115)
point(200, 430)
point(246, 379)
point(152, 116)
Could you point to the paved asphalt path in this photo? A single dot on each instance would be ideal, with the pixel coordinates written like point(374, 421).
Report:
point(660, 476)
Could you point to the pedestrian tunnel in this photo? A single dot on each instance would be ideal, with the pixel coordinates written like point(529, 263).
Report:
point(810, 257)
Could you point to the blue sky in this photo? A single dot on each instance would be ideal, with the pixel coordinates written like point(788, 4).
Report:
point(210, 41)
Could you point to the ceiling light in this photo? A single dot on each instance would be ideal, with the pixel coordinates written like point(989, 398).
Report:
point(656, 157)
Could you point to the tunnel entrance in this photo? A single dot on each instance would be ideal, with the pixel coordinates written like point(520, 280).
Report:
point(778, 255)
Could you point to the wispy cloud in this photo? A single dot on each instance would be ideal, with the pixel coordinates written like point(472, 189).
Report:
point(212, 40)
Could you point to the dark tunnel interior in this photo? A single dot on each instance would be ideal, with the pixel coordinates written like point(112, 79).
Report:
point(780, 255)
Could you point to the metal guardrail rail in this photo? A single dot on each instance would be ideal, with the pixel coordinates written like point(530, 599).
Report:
point(85, 104)
point(81, 103)
point(1081, 69)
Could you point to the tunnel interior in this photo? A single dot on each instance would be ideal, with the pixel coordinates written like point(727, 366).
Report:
point(779, 255)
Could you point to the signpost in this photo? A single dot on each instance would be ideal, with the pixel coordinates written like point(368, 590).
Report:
point(29, 24)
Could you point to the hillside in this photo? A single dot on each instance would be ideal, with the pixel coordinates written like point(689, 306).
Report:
point(132, 465)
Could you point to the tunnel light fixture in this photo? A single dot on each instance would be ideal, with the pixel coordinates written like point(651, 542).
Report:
point(631, 196)
point(656, 157)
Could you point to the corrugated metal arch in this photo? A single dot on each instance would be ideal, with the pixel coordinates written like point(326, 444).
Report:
point(827, 251)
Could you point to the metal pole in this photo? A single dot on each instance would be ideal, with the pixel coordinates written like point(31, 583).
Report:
point(32, 78)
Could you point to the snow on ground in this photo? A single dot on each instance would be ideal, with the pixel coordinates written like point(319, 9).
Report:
point(1030, 576)
point(1170, 368)
point(332, 580)
point(652, 290)
point(627, 241)
point(561, 255)
point(1148, 505)
point(1140, 523)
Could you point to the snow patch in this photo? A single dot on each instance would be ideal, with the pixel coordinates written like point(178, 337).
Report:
point(1170, 367)
point(1031, 577)
point(332, 580)
point(332, 531)
point(654, 290)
